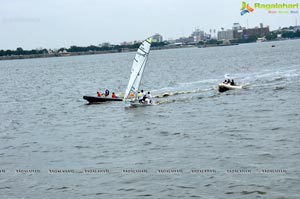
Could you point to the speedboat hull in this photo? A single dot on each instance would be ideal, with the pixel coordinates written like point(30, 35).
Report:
point(225, 87)
point(92, 99)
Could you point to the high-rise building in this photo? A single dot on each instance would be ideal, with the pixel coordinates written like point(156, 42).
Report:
point(198, 35)
point(236, 26)
point(185, 40)
point(105, 44)
point(225, 34)
point(157, 38)
point(257, 31)
point(261, 25)
point(239, 32)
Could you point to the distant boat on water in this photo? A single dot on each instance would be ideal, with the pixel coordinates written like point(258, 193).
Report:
point(260, 39)
point(222, 87)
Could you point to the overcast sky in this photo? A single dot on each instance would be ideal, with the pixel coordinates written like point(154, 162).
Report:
point(61, 23)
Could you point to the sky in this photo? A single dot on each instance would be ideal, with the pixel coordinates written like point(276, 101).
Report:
point(53, 24)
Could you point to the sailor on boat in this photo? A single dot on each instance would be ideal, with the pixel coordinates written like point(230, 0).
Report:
point(98, 94)
point(148, 99)
point(141, 96)
point(113, 95)
point(106, 92)
point(232, 83)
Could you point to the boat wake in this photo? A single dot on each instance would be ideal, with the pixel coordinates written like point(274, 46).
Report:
point(163, 95)
point(181, 90)
point(187, 91)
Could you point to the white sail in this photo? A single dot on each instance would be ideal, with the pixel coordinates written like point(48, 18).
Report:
point(138, 67)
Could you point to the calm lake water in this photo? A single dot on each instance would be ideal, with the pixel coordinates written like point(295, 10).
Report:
point(196, 143)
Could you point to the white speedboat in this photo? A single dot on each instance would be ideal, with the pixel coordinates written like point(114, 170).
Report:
point(225, 87)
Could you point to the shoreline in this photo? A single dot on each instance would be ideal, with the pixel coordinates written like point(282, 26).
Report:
point(17, 57)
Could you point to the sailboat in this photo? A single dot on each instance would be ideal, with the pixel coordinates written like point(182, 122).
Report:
point(137, 70)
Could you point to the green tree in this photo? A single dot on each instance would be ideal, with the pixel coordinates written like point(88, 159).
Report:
point(288, 34)
point(201, 43)
point(19, 49)
point(214, 41)
point(271, 36)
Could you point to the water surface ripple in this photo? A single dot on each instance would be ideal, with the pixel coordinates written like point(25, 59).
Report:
point(196, 143)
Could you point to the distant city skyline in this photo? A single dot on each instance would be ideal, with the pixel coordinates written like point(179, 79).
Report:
point(61, 23)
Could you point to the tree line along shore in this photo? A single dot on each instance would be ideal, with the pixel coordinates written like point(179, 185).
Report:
point(19, 53)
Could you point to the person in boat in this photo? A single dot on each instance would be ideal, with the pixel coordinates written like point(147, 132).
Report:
point(228, 81)
point(113, 95)
point(232, 83)
point(98, 94)
point(141, 96)
point(106, 92)
point(144, 99)
point(225, 81)
point(148, 99)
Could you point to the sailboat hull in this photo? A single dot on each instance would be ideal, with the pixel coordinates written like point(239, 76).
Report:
point(139, 104)
point(92, 99)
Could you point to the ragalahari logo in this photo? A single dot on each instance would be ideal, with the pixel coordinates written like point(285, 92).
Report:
point(246, 8)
